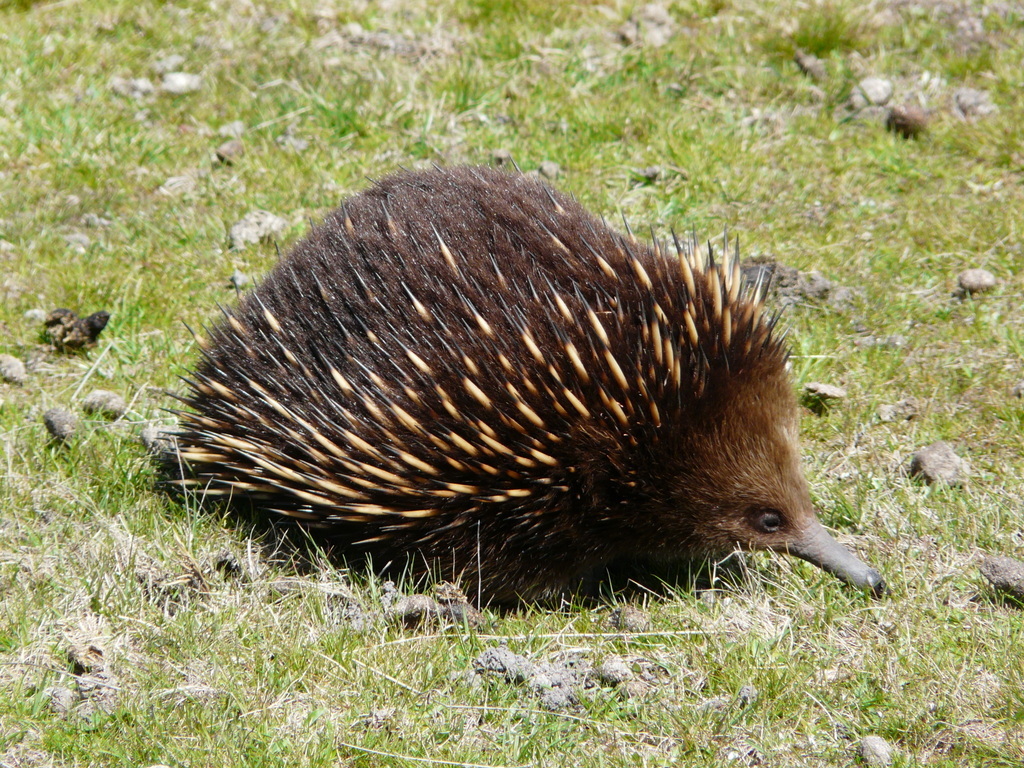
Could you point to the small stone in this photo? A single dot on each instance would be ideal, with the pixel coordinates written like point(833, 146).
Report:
point(232, 130)
point(650, 174)
point(904, 410)
point(818, 391)
point(35, 315)
point(79, 242)
point(60, 423)
point(907, 120)
point(876, 91)
point(972, 281)
point(290, 141)
point(12, 370)
point(549, 169)
point(170, 63)
point(630, 619)
point(875, 751)
point(970, 103)
point(230, 151)
point(178, 185)
point(1018, 389)
point(95, 221)
point(1005, 574)
point(502, 157)
point(254, 227)
point(810, 65)
point(239, 279)
point(102, 402)
point(938, 464)
point(134, 88)
point(179, 83)
point(614, 671)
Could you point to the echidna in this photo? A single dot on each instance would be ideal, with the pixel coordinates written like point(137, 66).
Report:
point(463, 371)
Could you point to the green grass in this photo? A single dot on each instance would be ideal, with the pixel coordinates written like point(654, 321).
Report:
point(264, 668)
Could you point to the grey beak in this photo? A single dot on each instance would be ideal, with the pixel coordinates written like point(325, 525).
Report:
point(817, 546)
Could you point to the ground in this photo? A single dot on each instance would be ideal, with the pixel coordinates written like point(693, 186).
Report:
point(141, 629)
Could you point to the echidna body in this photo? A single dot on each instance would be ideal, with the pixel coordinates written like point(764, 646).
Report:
point(462, 370)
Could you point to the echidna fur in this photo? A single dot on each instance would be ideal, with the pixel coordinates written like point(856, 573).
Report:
point(463, 371)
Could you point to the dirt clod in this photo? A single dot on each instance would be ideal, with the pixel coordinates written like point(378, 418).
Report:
point(104, 403)
point(875, 751)
point(938, 464)
point(60, 423)
point(230, 151)
point(904, 410)
point(811, 65)
point(554, 683)
point(972, 104)
point(974, 281)
point(550, 169)
point(907, 120)
point(614, 671)
point(68, 332)
point(630, 619)
point(12, 370)
point(255, 227)
point(1005, 574)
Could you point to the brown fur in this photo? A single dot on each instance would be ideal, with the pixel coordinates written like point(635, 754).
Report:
point(444, 439)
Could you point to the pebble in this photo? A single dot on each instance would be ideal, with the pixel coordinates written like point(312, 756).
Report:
point(103, 402)
point(239, 279)
point(818, 391)
point(179, 83)
point(135, 88)
point(95, 221)
point(872, 91)
point(972, 281)
point(254, 227)
point(550, 170)
point(170, 63)
point(79, 242)
point(60, 423)
point(938, 464)
point(502, 157)
point(875, 751)
point(229, 151)
point(12, 370)
point(232, 130)
point(1005, 574)
point(971, 103)
point(649, 174)
point(290, 141)
point(35, 315)
point(907, 120)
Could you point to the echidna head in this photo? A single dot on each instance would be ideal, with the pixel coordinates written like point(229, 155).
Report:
point(741, 483)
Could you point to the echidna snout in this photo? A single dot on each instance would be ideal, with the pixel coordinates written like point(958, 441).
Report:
point(464, 372)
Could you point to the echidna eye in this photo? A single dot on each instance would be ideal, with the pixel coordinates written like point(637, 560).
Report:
point(767, 520)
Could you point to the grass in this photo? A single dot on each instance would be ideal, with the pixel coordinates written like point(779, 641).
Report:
point(262, 665)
